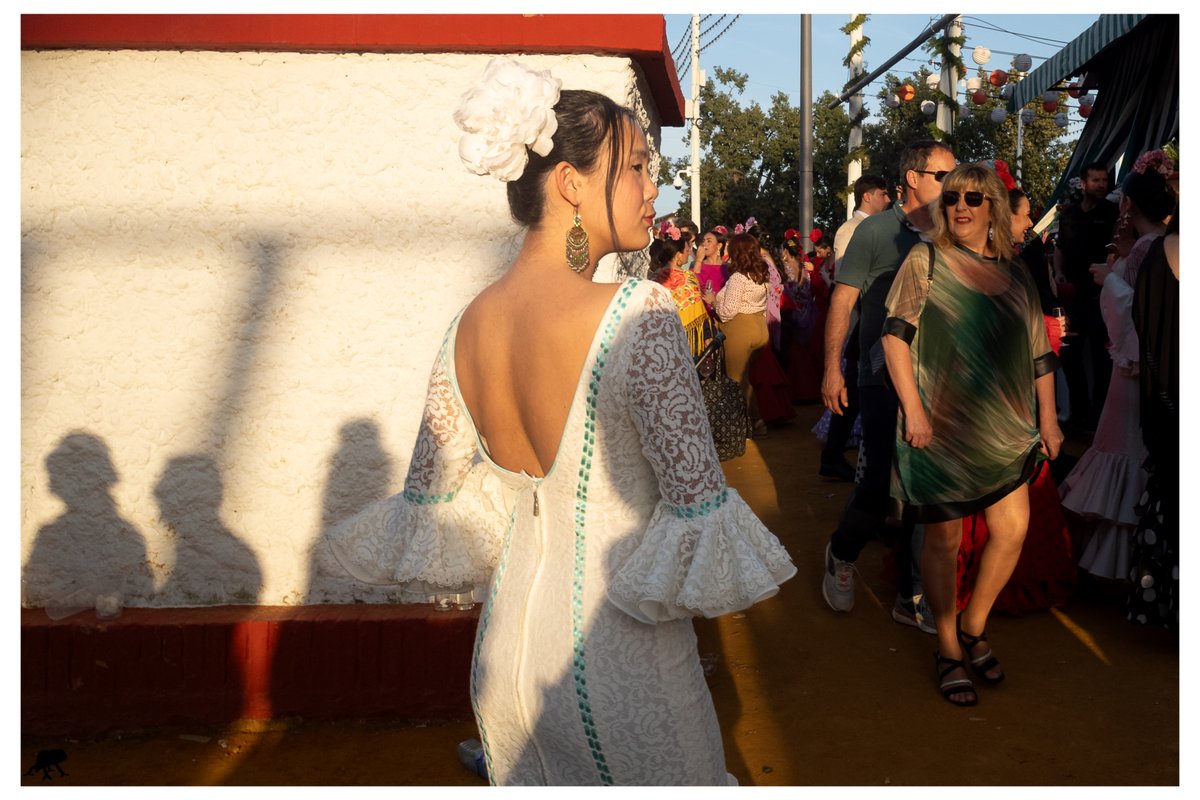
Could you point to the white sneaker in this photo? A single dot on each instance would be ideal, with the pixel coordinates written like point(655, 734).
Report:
point(837, 584)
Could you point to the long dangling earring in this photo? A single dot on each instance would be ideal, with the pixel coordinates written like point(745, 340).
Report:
point(989, 232)
point(577, 246)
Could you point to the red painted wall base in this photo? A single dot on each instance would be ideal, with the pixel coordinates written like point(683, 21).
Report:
point(161, 667)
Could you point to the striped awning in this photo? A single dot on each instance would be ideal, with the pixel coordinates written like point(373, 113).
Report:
point(1067, 61)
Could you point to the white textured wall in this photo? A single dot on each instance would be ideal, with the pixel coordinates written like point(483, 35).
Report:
point(236, 271)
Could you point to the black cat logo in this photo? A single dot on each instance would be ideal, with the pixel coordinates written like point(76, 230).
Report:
point(47, 760)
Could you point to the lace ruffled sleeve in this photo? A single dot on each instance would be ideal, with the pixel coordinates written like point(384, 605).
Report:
point(443, 532)
point(704, 552)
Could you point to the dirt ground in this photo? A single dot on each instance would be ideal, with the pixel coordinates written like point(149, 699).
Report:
point(806, 696)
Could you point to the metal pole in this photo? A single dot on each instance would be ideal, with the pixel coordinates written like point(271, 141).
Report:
point(1020, 142)
point(949, 81)
point(854, 170)
point(696, 84)
point(806, 128)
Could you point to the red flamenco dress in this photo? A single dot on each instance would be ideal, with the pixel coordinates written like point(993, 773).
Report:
point(1045, 573)
point(805, 357)
point(772, 390)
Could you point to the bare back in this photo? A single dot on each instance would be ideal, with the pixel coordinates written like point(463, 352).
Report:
point(520, 348)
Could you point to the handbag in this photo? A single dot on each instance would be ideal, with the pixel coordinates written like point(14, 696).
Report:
point(723, 401)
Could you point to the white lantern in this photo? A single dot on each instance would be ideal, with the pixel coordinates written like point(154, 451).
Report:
point(892, 100)
point(1087, 99)
point(1027, 115)
point(999, 115)
point(932, 80)
point(1006, 91)
point(1060, 119)
point(973, 83)
point(1022, 63)
point(981, 55)
point(1049, 96)
point(928, 107)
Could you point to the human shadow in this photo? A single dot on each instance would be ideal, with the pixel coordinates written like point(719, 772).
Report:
point(90, 550)
point(213, 565)
point(360, 473)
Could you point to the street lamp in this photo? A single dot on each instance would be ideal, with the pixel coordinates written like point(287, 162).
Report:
point(678, 184)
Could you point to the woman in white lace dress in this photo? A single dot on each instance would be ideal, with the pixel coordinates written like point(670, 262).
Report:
point(564, 457)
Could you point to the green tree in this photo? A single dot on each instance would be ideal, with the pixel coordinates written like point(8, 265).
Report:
point(750, 164)
point(831, 131)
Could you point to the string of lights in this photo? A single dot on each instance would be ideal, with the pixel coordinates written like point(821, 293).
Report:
point(677, 50)
point(716, 22)
point(725, 30)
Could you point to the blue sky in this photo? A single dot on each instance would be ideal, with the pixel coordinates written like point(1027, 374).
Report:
point(767, 48)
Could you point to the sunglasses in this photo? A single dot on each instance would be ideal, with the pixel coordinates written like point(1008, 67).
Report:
point(973, 199)
point(938, 176)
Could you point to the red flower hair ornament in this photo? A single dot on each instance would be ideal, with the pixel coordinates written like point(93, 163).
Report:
point(1003, 174)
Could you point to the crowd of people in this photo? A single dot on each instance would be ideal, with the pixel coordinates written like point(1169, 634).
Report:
point(974, 514)
point(567, 465)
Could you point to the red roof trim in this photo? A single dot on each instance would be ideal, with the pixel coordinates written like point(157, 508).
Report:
point(641, 37)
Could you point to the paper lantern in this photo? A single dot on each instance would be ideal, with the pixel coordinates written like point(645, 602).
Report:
point(907, 92)
point(981, 55)
point(1050, 96)
point(1087, 99)
point(1085, 111)
point(1023, 62)
point(892, 100)
point(1073, 89)
point(1050, 106)
point(1027, 115)
point(998, 77)
point(979, 97)
point(999, 115)
point(928, 107)
point(973, 83)
point(932, 80)
point(1060, 119)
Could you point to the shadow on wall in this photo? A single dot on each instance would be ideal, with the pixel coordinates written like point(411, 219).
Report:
point(213, 566)
point(360, 473)
point(89, 551)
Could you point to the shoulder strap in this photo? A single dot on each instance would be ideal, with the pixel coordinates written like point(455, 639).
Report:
point(929, 277)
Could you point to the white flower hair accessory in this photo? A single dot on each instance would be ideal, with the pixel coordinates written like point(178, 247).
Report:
point(511, 108)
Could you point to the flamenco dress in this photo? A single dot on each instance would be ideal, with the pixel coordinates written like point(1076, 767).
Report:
point(585, 668)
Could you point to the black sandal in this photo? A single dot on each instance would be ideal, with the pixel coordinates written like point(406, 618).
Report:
point(983, 664)
point(957, 685)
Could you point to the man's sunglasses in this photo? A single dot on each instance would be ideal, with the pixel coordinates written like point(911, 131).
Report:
point(974, 199)
point(937, 176)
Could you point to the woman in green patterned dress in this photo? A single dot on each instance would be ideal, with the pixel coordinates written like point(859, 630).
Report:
point(967, 351)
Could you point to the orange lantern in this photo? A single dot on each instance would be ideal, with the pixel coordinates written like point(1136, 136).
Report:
point(907, 92)
point(1085, 111)
point(1050, 106)
point(979, 97)
point(998, 77)
point(1073, 90)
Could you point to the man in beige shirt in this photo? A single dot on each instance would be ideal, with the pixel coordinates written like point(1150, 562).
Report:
point(870, 197)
